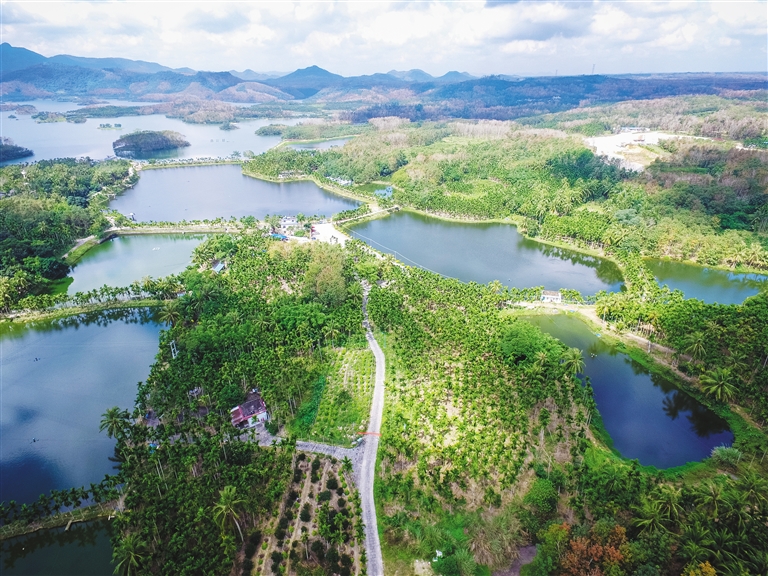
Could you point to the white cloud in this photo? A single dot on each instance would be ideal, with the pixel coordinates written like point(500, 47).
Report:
point(366, 37)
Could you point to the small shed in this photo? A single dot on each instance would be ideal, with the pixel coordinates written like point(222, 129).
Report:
point(551, 296)
point(218, 265)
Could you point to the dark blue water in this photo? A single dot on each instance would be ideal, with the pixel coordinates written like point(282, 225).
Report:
point(646, 415)
point(86, 365)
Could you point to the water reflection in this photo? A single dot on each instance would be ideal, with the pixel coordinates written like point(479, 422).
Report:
point(646, 415)
point(486, 252)
point(59, 376)
point(83, 550)
point(707, 284)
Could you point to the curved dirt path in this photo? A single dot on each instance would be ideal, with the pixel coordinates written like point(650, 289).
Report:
point(370, 448)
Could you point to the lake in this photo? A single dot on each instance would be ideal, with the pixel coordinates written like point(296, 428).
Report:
point(486, 252)
point(84, 550)
point(123, 259)
point(646, 415)
point(707, 284)
point(207, 192)
point(58, 378)
point(66, 139)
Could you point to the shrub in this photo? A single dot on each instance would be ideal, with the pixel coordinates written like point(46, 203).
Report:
point(306, 513)
point(542, 495)
point(276, 557)
point(342, 502)
point(332, 483)
point(324, 496)
point(247, 566)
point(726, 455)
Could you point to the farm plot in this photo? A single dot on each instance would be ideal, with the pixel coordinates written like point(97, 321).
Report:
point(346, 401)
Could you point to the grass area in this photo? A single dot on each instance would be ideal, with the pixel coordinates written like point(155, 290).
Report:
point(346, 400)
point(74, 255)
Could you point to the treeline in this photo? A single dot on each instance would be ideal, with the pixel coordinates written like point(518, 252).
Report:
point(313, 131)
point(45, 207)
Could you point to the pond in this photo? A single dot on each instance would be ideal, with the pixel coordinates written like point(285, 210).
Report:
point(58, 378)
point(66, 139)
point(707, 284)
point(646, 415)
point(207, 192)
point(83, 550)
point(486, 252)
point(123, 259)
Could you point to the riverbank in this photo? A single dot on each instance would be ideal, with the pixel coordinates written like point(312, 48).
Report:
point(19, 316)
point(66, 519)
point(184, 164)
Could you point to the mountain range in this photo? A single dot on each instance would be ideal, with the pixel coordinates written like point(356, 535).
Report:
point(25, 75)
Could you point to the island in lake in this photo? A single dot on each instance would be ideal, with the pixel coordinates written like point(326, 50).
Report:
point(143, 142)
point(9, 151)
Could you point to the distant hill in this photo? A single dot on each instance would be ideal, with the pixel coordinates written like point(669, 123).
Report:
point(414, 75)
point(250, 75)
point(306, 82)
point(454, 76)
point(13, 58)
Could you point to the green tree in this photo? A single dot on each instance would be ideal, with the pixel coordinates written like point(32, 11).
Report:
point(115, 422)
point(129, 555)
point(718, 384)
point(226, 510)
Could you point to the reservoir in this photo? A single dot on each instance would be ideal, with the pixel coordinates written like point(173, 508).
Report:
point(706, 284)
point(124, 259)
point(59, 377)
point(646, 415)
point(84, 550)
point(66, 139)
point(323, 145)
point(485, 252)
point(207, 192)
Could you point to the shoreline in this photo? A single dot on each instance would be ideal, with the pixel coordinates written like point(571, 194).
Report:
point(24, 316)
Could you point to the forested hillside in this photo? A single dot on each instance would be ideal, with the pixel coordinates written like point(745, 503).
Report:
point(45, 207)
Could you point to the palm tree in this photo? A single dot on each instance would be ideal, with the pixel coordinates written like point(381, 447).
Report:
point(695, 345)
point(718, 384)
point(650, 517)
point(170, 313)
point(710, 496)
point(227, 507)
point(346, 464)
point(114, 421)
point(128, 555)
point(573, 361)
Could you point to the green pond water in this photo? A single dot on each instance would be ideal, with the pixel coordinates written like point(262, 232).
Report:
point(707, 284)
point(123, 259)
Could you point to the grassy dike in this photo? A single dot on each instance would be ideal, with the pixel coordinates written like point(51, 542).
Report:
point(84, 514)
point(56, 313)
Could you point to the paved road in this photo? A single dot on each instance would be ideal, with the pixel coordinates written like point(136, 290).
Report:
point(370, 447)
point(363, 456)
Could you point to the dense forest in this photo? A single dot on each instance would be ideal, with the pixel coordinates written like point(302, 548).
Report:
point(10, 151)
point(44, 208)
point(488, 441)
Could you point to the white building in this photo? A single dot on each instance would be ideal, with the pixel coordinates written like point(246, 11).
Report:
point(551, 296)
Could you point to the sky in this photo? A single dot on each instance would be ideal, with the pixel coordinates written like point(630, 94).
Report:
point(528, 38)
